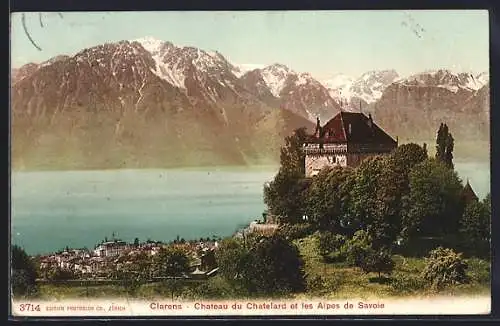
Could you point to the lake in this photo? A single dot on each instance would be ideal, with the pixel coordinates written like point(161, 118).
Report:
point(52, 210)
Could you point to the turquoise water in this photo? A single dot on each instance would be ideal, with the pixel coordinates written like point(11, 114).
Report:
point(52, 210)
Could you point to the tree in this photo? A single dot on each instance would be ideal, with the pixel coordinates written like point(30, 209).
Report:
point(135, 274)
point(475, 227)
point(357, 248)
point(444, 146)
point(330, 243)
point(364, 201)
point(444, 267)
point(375, 201)
point(172, 261)
point(136, 242)
point(273, 265)
point(23, 273)
point(441, 143)
point(434, 200)
point(292, 156)
point(229, 256)
point(285, 196)
point(394, 186)
point(324, 200)
point(378, 262)
point(448, 157)
point(60, 274)
point(406, 156)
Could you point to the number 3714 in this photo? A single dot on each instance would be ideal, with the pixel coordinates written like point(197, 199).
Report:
point(29, 307)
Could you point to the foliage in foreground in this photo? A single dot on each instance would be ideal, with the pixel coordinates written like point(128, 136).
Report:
point(266, 265)
point(445, 267)
point(23, 273)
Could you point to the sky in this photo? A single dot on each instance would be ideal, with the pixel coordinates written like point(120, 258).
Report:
point(323, 43)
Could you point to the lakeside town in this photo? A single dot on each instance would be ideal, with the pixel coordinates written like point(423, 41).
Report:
point(110, 256)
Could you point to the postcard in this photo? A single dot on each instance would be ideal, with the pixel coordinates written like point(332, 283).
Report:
point(259, 163)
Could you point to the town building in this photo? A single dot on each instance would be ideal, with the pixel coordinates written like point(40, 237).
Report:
point(111, 248)
point(346, 140)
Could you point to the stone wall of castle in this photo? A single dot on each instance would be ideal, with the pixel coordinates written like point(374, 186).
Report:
point(316, 162)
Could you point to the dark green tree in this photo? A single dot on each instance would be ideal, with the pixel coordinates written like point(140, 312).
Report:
point(229, 257)
point(358, 248)
point(378, 262)
point(434, 200)
point(375, 201)
point(475, 228)
point(292, 156)
point(444, 146)
point(273, 265)
point(325, 199)
point(136, 242)
point(285, 196)
point(330, 243)
point(23, 273)
point(366, 185)
point(448, 157)
point(172, 261)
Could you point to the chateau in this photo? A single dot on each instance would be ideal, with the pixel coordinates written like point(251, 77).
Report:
point(345, 140)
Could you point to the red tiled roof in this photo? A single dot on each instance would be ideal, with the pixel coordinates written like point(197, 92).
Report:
point(353, 127)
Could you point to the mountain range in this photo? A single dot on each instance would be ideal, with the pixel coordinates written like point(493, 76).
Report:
point(150, 103)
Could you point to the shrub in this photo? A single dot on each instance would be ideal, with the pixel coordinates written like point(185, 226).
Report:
point(378, 262)
point(357, 248)
point(321, 285)
point(294, 231)
point(22, 284)
point(229, 257)
point(404, 283)
point(23, 276)
point(444, 267)
point(273, 266)
point(479, 270)
point(330, 243)
point(61, 274)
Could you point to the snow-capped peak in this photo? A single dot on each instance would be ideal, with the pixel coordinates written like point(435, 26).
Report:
point(305, 78)
point(151, 44)
point(275, 76)
point(447, 79)
point(483, 78)
point(241, 69)
point(368, 87)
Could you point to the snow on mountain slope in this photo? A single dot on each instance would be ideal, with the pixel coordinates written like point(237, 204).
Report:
point(241, 69)
point(174, 63)
point(483, 78)
point(339, 85)
point(275, 76)
point(368, 87)
point(447, 79)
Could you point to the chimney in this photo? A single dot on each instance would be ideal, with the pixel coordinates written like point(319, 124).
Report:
point(370, 120)
point(350, 129)
point(318, 126)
